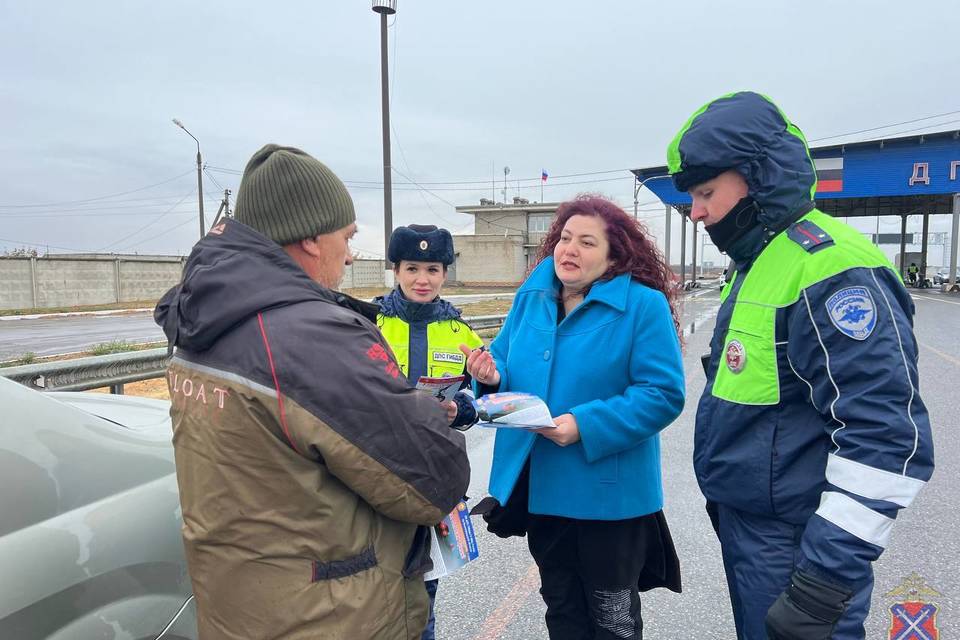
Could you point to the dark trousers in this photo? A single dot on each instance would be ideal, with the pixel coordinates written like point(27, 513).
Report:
point(759, 555)
point(589, 571)
point(429, 632)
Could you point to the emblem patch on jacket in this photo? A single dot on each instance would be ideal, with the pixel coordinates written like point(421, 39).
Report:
point(852, 312)
point(736, 356)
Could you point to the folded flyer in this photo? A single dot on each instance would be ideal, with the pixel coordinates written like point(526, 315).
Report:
point(513, 411)
point(442, 389)
point(452, 543)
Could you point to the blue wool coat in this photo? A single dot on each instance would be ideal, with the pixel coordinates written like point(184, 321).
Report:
point(614, 363)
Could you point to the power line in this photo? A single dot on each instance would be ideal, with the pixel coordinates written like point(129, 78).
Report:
point(115, 204)
point(412, 185)
point(149, 224)
point(207, 173)
point(482, 183)
point(92, 215)
point(887, 126)
point(97, 212)
point(422, 188)
point(938, 124)
point(161, 234)
point(112, 195)
point(34, 244)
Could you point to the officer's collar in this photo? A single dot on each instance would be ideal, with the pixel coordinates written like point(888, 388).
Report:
point(395, 304)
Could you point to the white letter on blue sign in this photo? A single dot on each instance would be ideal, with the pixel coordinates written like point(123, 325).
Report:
point(921, 173)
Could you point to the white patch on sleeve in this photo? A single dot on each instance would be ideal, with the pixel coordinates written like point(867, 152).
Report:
point(852, 311)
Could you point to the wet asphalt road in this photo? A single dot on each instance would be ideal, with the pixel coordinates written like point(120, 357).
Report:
point(47, 336)
point(497, 597)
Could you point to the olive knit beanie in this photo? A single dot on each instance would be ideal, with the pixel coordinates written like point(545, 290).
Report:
point(288, 195)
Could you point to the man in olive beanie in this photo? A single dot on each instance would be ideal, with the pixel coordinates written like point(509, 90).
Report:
point(294, 199)
point(305, 486)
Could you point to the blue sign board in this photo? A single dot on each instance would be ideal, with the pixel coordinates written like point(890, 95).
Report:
point(897, 167)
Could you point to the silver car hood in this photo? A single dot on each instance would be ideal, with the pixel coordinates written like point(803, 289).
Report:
point(129, 411)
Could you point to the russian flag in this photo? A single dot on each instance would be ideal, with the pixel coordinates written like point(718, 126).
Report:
point(829, 174)
point(544, 175)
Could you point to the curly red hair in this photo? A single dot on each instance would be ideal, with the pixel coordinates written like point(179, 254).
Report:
point(632, 249)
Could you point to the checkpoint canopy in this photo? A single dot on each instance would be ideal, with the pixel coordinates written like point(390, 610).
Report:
point(912, 175)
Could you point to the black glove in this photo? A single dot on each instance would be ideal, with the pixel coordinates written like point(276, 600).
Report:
point(713, 511)
point(466, 413)
point(807, 610)
point(705, 363)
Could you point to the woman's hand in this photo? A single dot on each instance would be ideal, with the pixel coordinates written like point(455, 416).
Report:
point(481, 366)
point(566, 432)
point(451, 408)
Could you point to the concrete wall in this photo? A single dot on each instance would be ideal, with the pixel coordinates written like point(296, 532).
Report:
point(147, 280)
point(80, 281)
point(16, 285)
point(363, 273)
point(71, 283)
point(490, 259)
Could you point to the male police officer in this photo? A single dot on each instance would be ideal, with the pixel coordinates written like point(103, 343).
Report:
point(811, 433)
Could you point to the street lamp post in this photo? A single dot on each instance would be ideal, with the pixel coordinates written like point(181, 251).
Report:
point(203, 227)
point(637, 185)
point(386, 8)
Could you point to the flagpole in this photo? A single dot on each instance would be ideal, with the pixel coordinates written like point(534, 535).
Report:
point(541, 187)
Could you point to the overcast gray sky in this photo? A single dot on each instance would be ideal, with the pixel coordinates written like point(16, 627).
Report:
point(88, 91)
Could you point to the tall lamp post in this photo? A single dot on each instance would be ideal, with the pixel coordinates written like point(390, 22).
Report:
point(386, 8)
point(203, 227)
point(637, 185)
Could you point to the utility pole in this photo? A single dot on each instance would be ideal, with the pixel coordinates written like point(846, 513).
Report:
point(203, 227)
point(386, 8)
point(224, 207)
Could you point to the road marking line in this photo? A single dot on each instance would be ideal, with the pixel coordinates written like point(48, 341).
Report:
point(943, 355)
point(498, 621)
point(934, 299)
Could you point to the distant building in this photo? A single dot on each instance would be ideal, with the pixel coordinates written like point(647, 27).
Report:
point(504, 243)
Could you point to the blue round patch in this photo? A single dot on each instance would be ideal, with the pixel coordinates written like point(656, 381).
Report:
point(852, 312)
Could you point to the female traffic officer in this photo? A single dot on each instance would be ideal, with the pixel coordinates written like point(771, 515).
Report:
point(593, 332)
point(424, 330)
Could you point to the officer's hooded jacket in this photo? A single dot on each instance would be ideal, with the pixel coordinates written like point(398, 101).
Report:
point(304, 460)
point(811, 412)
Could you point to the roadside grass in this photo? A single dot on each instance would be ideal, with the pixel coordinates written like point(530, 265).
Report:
point(23, 359)
point(138, 304)
point(486, 308)
point(114, 346)
point(365, 293)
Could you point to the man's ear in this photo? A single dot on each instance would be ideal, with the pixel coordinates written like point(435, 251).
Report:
point(310, 247)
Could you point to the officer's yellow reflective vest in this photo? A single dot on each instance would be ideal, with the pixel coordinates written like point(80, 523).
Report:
point(444, 338)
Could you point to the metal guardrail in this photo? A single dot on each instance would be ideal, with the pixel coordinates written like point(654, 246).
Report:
point(115, 370)
point(94, 372)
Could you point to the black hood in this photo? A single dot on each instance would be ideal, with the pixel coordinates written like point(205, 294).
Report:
point(232, 274)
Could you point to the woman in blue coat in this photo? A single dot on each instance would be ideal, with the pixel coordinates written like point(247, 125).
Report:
point(593, 331)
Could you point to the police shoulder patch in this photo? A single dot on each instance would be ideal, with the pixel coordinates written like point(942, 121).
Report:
point(809, 236)
point(853, 312)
